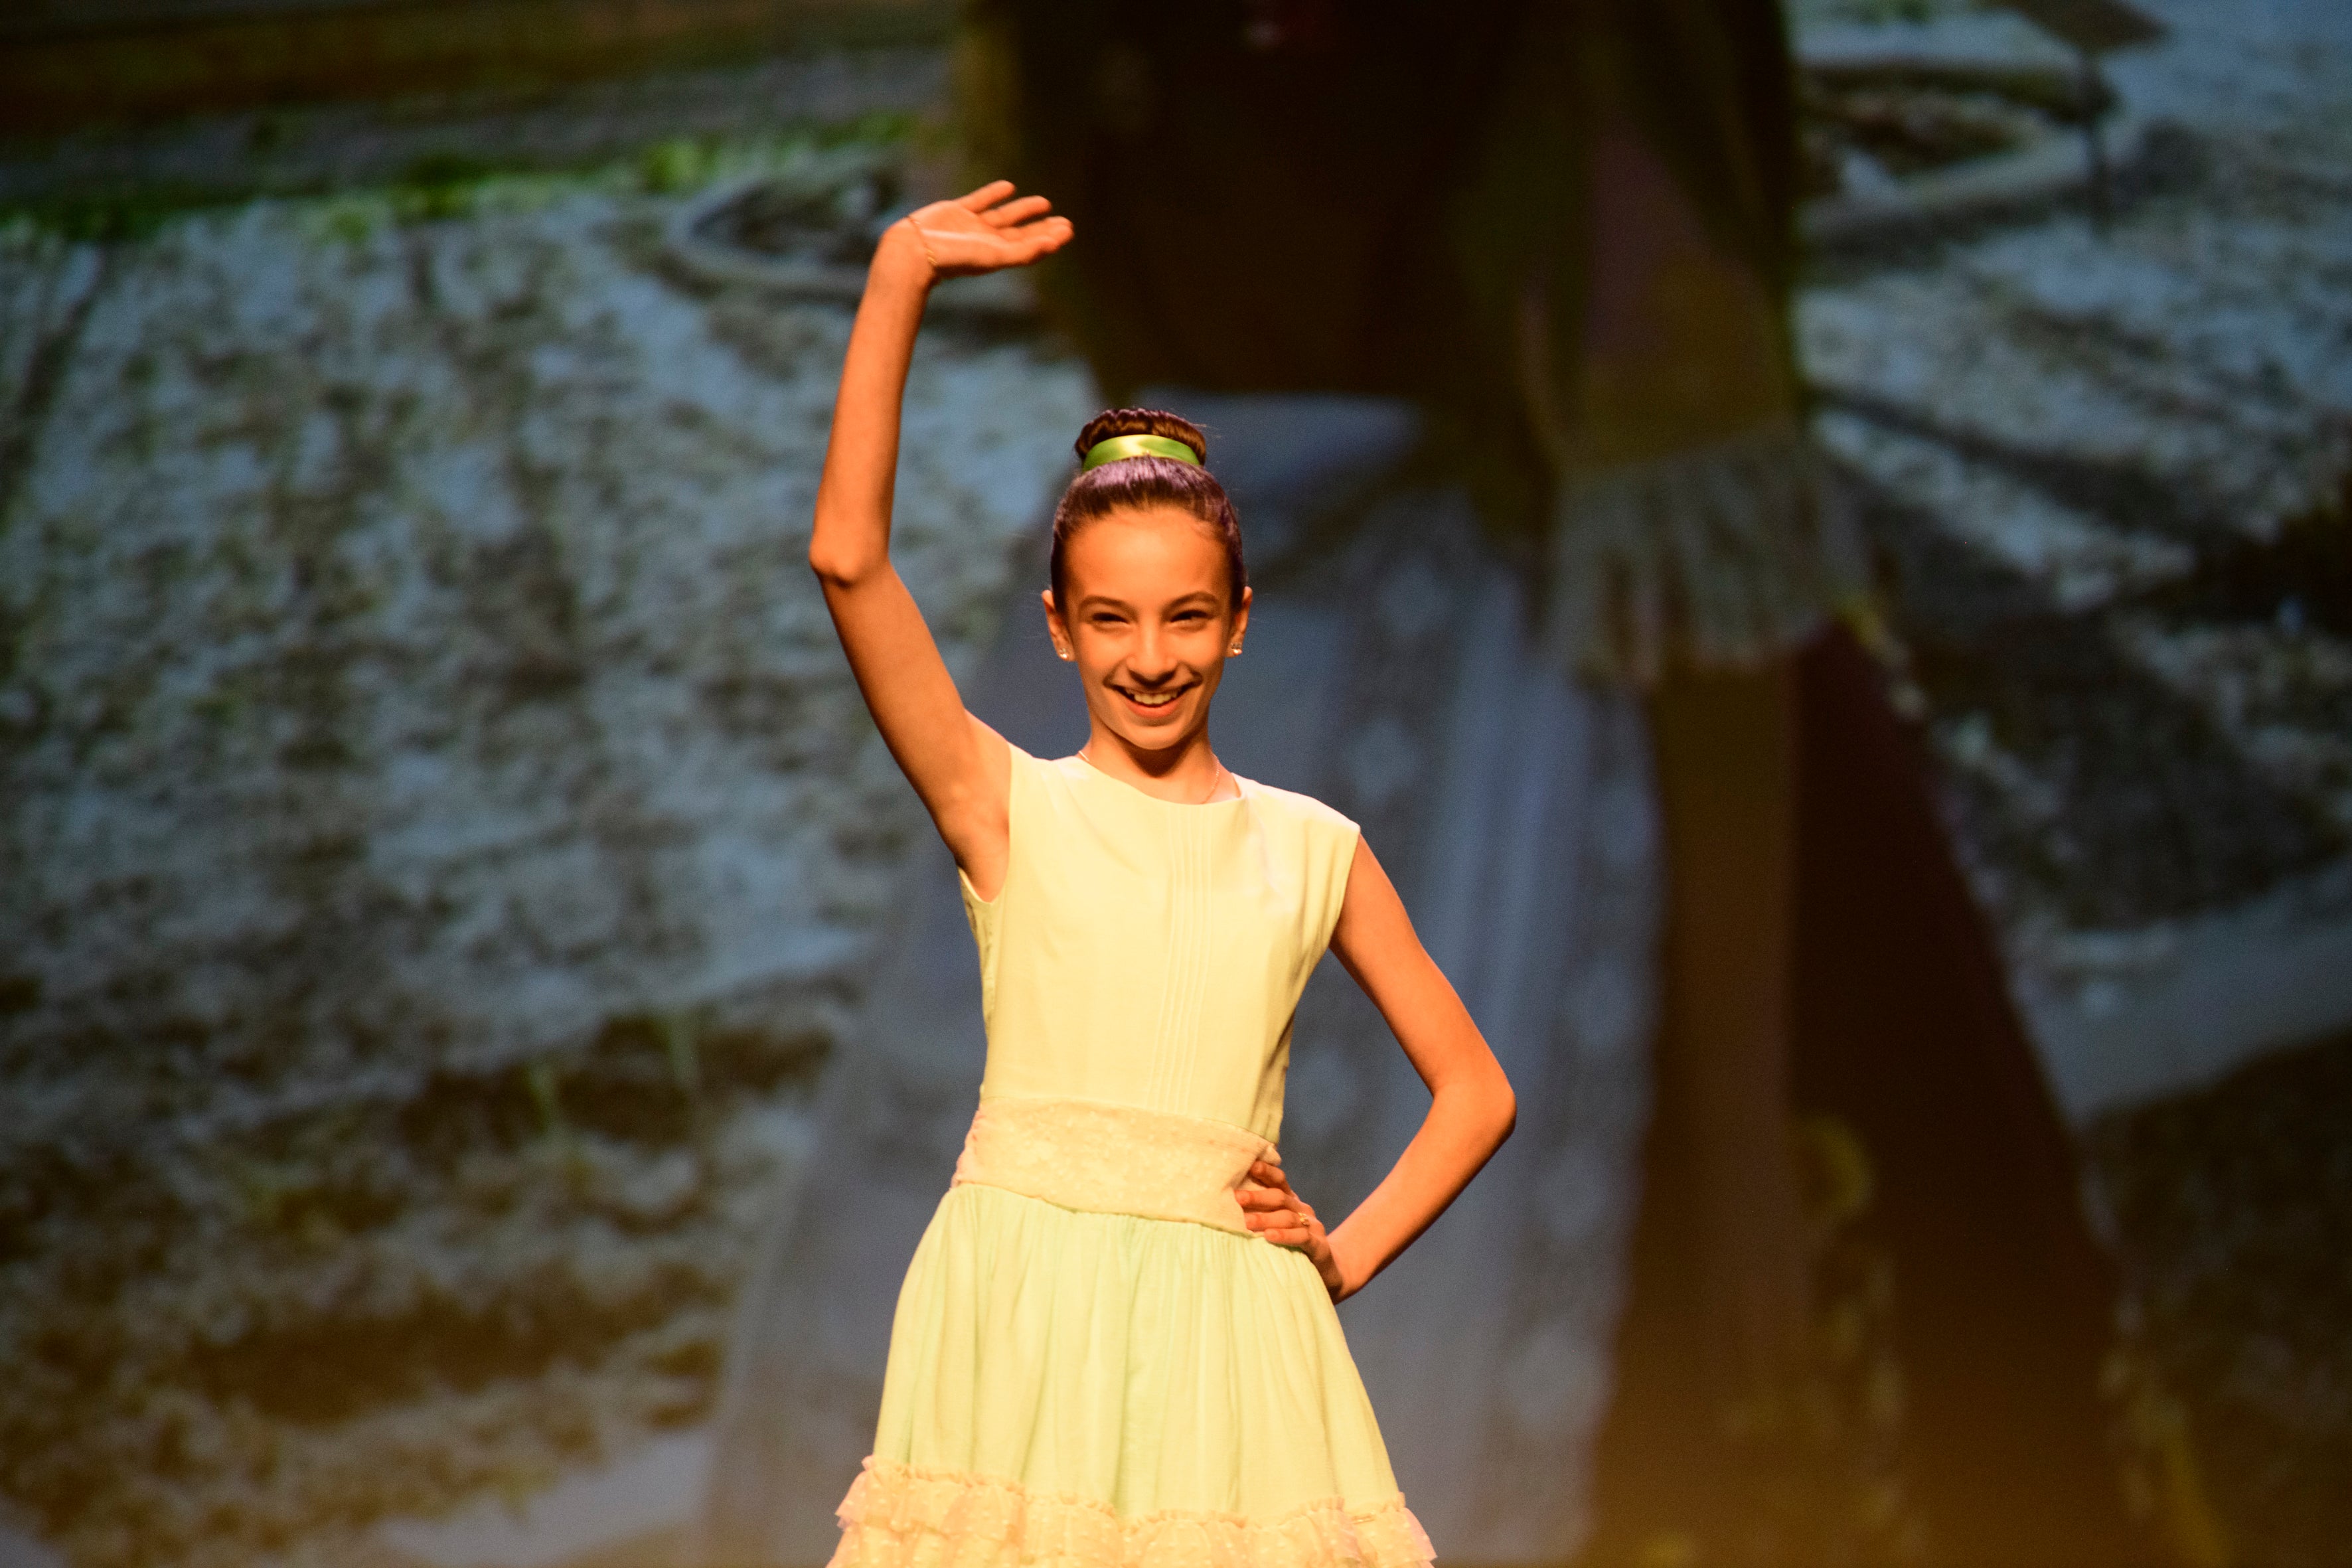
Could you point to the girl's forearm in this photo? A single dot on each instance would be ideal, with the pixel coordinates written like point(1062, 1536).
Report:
point(852, 535)
point(1467, 1121)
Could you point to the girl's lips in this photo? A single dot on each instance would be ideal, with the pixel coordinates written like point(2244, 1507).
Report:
point(1153, 709)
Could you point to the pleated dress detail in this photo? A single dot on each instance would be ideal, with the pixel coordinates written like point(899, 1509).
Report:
point(1094, 1363)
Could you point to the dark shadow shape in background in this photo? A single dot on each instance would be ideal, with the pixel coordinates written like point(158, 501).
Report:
point(1904, 1031)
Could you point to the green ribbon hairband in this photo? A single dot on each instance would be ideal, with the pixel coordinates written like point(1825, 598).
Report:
point(1119, 447)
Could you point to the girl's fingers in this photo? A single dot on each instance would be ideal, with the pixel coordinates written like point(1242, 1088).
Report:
point(1026, 244)
point(1273, 1210)
point(1264, 1209)
point(961, 251)
point(1017, 212)
point(987, 197)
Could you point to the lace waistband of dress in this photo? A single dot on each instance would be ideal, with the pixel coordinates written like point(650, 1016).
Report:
point(1112, 1158)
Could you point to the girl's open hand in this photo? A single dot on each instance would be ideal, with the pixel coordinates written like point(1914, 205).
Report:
point(986, 231)
point(1283, 1217)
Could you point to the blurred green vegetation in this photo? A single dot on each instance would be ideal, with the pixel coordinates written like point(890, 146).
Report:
point(440, 185)
point(60, 71)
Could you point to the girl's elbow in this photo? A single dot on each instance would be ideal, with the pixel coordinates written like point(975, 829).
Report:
point(1505, 1111)
point(1502, 1106)
point(838, 568)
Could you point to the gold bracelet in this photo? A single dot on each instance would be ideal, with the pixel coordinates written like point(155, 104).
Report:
point(925, 241)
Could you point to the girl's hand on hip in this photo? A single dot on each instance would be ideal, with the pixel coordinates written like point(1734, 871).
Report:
point(1283, 1217)
point(986, 231)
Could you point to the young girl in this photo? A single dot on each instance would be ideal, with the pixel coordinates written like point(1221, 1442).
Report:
point(1116, 1343)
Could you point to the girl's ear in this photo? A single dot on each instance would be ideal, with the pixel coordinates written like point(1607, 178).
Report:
point(1055, 629)
point(1241, 619)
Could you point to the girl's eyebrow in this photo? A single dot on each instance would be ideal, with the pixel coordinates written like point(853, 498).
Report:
point(1105, 602)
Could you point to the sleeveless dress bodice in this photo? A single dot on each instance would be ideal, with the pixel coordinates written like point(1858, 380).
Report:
point(1150, 953)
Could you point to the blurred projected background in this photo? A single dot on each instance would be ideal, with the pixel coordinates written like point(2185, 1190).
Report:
point(479, 1021)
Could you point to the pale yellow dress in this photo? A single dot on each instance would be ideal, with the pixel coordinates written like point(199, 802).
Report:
point(1094, 1361)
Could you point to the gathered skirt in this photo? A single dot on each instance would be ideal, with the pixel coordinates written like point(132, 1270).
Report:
point(1092, 1389)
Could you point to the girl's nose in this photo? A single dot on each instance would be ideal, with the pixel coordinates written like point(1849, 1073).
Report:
point(1151, 661)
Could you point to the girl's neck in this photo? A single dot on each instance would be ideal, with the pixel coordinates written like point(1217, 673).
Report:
point(1187, 773)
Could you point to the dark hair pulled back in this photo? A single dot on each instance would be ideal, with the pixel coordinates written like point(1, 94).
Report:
point(1137, 483)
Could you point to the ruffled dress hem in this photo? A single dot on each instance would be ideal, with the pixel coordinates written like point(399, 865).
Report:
point(902, 1516)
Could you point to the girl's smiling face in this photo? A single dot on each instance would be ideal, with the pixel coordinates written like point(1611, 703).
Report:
point(1149, 623)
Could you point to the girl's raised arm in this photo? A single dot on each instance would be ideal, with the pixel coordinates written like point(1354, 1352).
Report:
point(957, 764)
